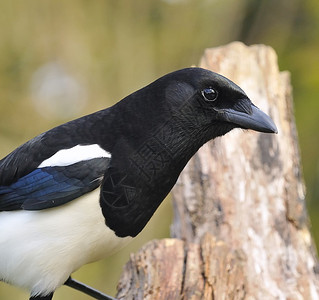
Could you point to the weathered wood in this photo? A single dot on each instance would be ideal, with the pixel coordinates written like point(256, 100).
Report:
point(246, 190)
point(173, 269)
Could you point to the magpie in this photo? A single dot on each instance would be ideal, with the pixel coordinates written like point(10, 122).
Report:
point(82, 190)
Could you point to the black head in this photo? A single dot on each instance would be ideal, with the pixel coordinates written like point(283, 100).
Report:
point(211, 103)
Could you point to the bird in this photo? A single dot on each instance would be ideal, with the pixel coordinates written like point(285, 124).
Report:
point(82, 190)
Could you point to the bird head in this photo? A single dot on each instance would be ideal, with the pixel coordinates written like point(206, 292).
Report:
point(212, 104)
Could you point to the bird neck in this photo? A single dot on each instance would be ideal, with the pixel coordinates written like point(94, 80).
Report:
point(141, 174)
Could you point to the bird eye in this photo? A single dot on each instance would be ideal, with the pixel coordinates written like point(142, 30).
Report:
point(209, 94)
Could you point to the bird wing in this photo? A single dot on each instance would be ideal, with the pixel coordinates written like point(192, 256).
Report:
point(52, 186)
point(42, 174)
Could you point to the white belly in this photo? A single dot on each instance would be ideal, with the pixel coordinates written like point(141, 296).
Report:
point(40, 249)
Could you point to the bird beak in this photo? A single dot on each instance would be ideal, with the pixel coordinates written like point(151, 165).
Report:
point(255, 120)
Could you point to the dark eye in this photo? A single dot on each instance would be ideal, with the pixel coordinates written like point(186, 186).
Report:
point(209, 94)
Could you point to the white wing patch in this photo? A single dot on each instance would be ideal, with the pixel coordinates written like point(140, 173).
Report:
point(66, 157)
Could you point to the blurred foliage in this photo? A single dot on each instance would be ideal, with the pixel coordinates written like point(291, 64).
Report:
point(112, 48)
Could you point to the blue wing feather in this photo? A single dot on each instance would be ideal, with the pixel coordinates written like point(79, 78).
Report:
point(52, 186)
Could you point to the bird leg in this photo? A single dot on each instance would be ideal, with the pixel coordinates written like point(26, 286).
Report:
point(87, 289)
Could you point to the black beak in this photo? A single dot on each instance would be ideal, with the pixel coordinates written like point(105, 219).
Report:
point(255, 119)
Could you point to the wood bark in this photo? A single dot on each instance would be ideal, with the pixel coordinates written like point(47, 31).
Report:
point(240, 228)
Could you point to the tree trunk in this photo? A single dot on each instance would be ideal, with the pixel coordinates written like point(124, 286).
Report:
point(240, 223)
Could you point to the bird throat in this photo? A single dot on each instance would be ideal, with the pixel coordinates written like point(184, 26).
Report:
point(136, 184)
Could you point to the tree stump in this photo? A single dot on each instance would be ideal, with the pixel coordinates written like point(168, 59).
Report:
point(240, 229)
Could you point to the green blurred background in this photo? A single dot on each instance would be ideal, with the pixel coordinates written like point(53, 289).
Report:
point(63, 59)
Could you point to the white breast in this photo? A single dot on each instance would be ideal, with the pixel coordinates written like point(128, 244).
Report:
point(40, 249)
